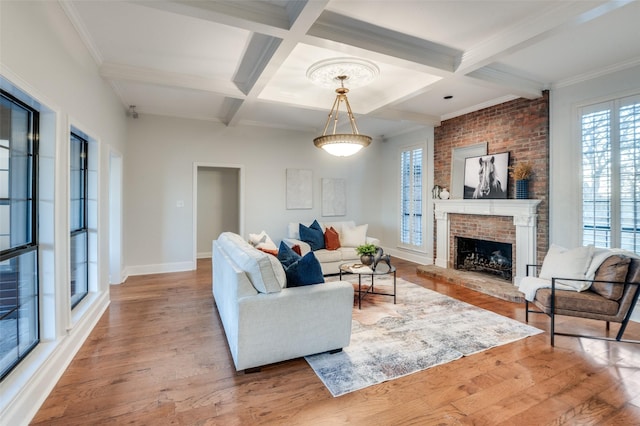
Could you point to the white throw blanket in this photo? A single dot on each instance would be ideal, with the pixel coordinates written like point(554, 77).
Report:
point(530, 285)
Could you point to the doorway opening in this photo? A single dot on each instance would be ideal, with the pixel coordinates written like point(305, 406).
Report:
point(217, 205)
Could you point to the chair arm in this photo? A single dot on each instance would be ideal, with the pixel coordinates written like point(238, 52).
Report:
point(531, 266)
point(553, 281)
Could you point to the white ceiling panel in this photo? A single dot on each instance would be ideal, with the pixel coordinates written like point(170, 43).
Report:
point(245, 62)
point(169, 101)
point(148, 38)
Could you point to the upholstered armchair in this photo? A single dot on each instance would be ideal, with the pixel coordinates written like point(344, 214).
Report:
point(605, 290)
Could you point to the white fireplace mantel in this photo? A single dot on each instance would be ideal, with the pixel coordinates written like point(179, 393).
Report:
point(525, 219)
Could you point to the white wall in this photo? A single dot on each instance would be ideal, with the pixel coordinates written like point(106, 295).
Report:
point(42, 55)
point(565, 220)
point(158, 171)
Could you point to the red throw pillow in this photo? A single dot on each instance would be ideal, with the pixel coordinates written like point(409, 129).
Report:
point(331, 239)
point(273, 252)
point(296, 248)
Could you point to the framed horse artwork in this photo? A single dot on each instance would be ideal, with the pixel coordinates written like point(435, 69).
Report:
point(486, 176)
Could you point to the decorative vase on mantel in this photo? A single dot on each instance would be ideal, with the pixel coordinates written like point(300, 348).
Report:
point(522, 189)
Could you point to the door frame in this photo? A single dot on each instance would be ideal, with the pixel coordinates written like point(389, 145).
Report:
point(194, 207)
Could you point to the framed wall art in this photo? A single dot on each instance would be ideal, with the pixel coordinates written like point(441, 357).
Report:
point(299, 189)
point(334, 197)
point(486, 176)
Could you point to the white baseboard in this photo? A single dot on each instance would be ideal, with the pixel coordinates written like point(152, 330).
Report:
point(26, 388)
point(420, 258)
point(160, 268)
point(204, 255)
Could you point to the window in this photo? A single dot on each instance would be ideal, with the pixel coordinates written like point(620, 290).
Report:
point(411, 218)
point(78, 219)
point(19, 319)
point(610, 134)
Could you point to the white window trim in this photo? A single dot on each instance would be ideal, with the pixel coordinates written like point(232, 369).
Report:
point(427, 231)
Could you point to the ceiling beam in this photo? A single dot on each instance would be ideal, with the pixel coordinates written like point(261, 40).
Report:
point(373, 38)
point(272, 60)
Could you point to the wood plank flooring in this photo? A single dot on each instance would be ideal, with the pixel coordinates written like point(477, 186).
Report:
point(158, 356)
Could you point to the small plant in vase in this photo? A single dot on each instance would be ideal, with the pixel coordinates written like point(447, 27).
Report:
point(521, 172)
point(366, 252)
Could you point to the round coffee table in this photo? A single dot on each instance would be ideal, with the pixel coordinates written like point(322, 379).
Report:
point(360, 270)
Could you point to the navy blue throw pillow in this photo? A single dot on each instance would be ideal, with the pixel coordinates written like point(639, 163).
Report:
point(312, 235)
point(286, 255)
point(304, 271)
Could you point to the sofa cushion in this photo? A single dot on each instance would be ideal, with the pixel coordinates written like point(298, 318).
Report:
point(263, 270)
point(331, 239)
point(614, 268)
point(353, 236)
point(326, 256)
point(286, 255)
point(349, 253)
point(312, 235)
point(586, 301)
point(304, 271)
point(571, 264)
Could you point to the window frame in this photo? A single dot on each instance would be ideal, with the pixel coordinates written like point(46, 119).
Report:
point(420, 199)
point(32, 246)
point(612, 233)
point(76, 232)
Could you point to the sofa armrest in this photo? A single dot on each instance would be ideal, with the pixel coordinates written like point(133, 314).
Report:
point(304, 247)
point(295, 322)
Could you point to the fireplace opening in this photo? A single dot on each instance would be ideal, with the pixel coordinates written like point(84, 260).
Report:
point(490, 257)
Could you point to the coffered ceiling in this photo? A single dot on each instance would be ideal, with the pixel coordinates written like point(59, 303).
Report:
point(245, 62)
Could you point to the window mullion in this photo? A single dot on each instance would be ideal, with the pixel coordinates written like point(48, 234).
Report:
point(615, 177)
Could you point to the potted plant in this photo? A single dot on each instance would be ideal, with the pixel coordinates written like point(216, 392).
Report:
point(366, 252)
point(521, 172)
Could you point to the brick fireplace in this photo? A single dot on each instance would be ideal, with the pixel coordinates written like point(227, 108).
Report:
point(506, 221)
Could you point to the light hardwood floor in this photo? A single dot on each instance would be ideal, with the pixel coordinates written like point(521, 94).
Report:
point(158, 356)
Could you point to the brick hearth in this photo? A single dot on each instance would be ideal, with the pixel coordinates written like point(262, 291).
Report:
point(476, 281)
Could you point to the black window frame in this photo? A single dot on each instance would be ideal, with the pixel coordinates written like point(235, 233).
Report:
point(32, 246)
point(82, 229)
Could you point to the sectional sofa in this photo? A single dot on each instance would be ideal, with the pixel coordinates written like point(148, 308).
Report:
point(264, 320)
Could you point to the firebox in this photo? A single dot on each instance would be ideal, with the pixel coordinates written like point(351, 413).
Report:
point(490, 257)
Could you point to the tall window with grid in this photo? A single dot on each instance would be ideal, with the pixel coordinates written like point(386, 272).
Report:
point(610, 134)
point(78, 219)
point(19, 316)
point(411, 217)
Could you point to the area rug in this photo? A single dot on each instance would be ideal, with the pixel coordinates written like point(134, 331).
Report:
point(422, 330)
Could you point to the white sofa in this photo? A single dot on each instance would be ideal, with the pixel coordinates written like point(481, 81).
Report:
point(350, 234)
point(266, 322)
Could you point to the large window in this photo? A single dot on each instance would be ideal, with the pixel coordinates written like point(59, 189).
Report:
point(78, 218)
point(611, 173)
point(411, 217)
point(19, 320)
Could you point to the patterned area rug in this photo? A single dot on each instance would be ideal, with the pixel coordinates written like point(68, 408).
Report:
point(422, 330)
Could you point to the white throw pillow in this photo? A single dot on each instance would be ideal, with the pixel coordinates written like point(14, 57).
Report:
point(564, 263)
point(262, 241)
point(353, 236)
